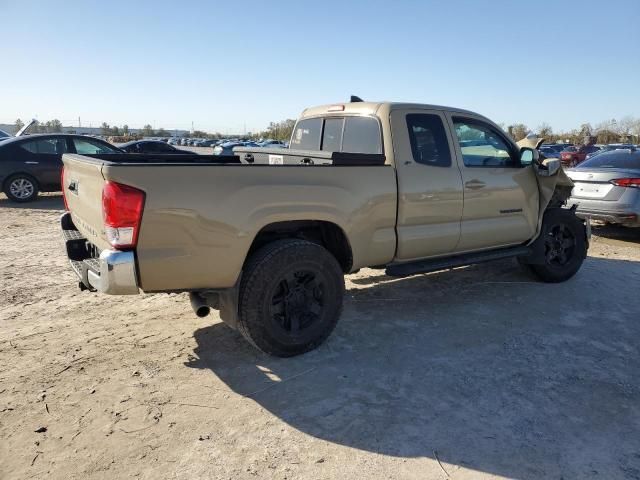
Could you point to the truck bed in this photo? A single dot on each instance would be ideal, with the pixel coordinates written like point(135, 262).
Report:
point(201, 215)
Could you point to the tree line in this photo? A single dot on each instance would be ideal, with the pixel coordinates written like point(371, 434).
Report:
point(626, 129)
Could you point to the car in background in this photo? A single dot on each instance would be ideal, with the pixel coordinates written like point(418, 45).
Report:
point(607, 187)
point(174, 141)
point(33, 163)
point(271, 143)
point(207, 143)
point(617, 146)
point(572, 156)
point(225, 149)
point(610, 147)
point(559, 147)
point(549, 152)
point(151, 146)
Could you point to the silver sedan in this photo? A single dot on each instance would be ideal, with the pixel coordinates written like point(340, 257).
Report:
point(607, 187)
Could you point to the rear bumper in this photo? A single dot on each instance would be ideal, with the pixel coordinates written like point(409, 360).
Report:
point(621, 218)
point(110, 271)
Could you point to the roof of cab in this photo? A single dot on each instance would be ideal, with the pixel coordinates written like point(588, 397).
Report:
point(372, 108)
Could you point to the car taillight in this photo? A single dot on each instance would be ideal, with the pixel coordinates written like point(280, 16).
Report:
point(627, 182)
point(64, 194)
point(122, 207)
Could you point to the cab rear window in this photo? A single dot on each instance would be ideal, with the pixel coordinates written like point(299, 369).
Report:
point(306, 135)
point(361, 135)
point(338, 134)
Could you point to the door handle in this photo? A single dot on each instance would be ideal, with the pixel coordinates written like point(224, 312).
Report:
point(32, 163)
point(475, 184)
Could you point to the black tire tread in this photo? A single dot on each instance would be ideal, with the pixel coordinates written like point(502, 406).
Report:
point(549, 275)
point(256, 273)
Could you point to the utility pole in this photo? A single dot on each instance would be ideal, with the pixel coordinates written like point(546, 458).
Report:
point(79, 123)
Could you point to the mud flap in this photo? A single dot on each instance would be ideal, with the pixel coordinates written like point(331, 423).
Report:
point(228, 303)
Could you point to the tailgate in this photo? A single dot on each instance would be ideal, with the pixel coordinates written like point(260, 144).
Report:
point(82, 187)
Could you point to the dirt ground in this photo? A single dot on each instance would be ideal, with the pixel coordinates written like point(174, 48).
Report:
point(479, 372)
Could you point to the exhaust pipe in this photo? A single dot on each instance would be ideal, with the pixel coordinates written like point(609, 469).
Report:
point(199, 304)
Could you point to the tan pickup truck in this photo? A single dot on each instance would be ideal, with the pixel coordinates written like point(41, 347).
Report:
point(266, 235)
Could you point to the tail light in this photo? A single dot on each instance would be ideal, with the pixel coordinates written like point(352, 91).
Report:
point(122, 207)
point(627, 182)
point(64, 194)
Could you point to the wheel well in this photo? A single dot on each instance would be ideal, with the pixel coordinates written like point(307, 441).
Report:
point(327, 234)
point(560, 196)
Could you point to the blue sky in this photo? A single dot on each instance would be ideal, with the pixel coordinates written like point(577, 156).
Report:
point(224, 65)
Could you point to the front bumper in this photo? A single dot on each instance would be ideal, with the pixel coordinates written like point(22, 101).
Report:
point(108, 271)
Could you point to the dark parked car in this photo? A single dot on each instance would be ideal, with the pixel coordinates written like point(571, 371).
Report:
point(151, 146)
point(549, 152)
point(33, 163)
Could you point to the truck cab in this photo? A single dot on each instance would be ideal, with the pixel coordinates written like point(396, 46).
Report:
point(462, 184)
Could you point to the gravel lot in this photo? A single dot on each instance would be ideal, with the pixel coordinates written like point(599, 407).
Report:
point(478, 372)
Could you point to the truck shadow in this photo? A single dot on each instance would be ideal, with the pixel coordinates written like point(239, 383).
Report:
point(480, 368)
point(622, 234)
point(49, 201)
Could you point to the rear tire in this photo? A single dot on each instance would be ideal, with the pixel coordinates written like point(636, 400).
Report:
point(564, 245)
point(21, 188)
point(290, 297)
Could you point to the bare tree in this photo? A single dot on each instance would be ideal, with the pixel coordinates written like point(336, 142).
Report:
point(519, 131)
point(545, 130)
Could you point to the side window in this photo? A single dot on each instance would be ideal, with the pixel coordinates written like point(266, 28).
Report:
point(481, 145)
point(51, 146)
point(332, 134)
point(163, 147)
point(31, 147)
point(87, 146)
point(306, 135)
point(361, 135)
point(428, 139)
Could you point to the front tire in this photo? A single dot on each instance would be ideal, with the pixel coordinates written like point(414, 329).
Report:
point(290, 297)
point(564, 244)
point(21, 188)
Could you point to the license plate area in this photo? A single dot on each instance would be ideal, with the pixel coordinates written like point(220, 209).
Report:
point(591, 190)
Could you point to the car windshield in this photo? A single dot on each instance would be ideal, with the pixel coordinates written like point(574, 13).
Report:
point(613, 159)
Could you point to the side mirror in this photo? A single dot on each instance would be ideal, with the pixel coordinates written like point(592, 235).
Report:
point(529, 156)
